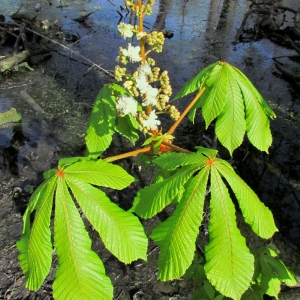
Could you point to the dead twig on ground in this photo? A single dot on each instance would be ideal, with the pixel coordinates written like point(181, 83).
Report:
point(8, 63)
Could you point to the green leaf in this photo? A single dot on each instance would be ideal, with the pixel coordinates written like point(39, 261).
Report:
point(196, 270)
point(80, 273)
point(231, 124)
point(196, 83)
point(50, 173)
point(269, 281)
point(171, 161)
point(101, 173)
point(207, 151)
point(102, 121)
point(256, 214)
point(229, 264)
point(67, 161)
point(257, 112)
point(210, 291)
point(255, 292)
point(177, 235)
point(126, 126)
point(35, 244)
point(231, 98)
point(121, 232)
point(215, 95)
point(154, 198)
point(271, 271)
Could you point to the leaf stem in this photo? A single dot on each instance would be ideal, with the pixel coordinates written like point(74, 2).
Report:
point(174, 126)
point(128, 154)
point(176, 148)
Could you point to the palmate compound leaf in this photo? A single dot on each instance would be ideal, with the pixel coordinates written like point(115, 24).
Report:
point(229, 264)
point(177, 235)
point(35, 244)
point(231, 98)
point(80, 273)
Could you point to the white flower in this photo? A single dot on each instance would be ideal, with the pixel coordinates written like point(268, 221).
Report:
point(140, 35)
point(127, 105)
point(152, 122)
point(144, 68)
point(142, 83)
point(151, 94)
point(133, 53)
point(125, 30)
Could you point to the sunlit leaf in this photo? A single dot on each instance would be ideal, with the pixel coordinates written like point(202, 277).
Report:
point(256, 214)
point(100, 172)
point(231, 99)
point(80, 273)
point(176, 236)
point(35, 244)
point(229, 263)
point(115, 226)
point(102, 120)
point(154, 198)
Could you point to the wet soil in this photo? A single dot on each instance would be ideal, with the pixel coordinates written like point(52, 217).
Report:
point(65, 86)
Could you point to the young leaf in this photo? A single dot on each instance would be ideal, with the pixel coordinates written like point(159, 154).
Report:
point(270, 271)
point(229, 264)
point(102, 120)
point(35, 244)
point(177, 235)
point(80, 273)
point(231, 98)
point(256, 214)
point(154, 198)
point(121, 232)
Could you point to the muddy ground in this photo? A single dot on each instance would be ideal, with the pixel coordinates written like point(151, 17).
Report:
point(64, 84)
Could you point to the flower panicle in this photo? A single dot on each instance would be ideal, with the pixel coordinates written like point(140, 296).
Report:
point(149, 83)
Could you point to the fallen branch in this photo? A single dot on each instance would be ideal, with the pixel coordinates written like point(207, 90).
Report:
point(16, 60)
point(92, 64)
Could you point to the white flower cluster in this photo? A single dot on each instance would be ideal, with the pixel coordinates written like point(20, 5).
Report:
point(126, 105)
point(133, 53)
point(144, 87)
point(152, 122)
point(125, 30)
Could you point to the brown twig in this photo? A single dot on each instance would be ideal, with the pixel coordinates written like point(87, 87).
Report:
point(61, 45)
point(128, 154)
